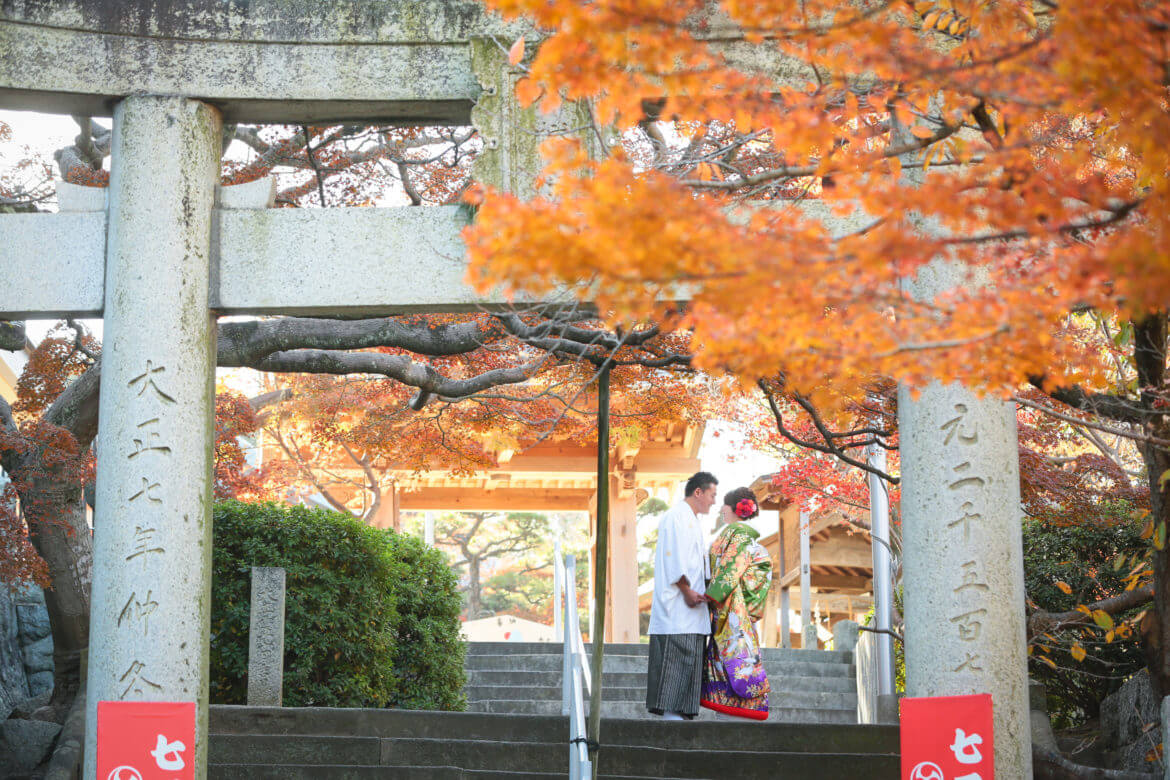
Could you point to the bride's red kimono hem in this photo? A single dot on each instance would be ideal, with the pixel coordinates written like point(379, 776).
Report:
point(738, 712)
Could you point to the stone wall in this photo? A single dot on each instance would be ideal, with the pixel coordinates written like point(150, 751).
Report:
point(26, 648)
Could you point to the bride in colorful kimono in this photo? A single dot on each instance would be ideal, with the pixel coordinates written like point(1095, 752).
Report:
point(734, 680)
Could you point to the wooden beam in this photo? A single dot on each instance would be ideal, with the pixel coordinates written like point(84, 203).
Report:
point(835, 554)
point(499, 500)
point(841, 582)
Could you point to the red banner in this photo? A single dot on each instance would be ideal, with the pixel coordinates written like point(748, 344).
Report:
point(145, 740)
point(948, 738)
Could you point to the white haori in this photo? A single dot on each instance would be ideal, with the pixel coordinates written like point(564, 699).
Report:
point(681, 551)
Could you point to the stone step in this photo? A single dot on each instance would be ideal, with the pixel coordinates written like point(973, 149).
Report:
point(628, 664)
point(531, 679)
point(799, 699)
point(637, 709)
point(449, 755)
point(318, 772)
point(791, 737)
point(554, 648)
point(858, 767)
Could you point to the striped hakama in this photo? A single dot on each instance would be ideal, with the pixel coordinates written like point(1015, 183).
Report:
point(675, 673)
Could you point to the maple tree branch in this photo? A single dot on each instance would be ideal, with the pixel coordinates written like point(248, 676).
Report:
point(8, 455)
point(1101, 404)
point(245, 343)
point(310, 152)
point(1116, 213)
point(1134, 435)
point(397, 367)
point(828, 448)
point(1050, 765)
point(407, 184)
point(79, 334)
point(76, 409)
point(1041, 622)
point(264, 400)
point(794, 172)
point(294, 455)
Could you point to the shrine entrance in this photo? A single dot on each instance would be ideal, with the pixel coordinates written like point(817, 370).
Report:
point(162, 260)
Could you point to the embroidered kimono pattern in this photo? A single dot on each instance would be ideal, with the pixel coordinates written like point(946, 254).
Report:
point(734, 680)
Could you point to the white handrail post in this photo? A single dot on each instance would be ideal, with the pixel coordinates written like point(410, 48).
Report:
point(558, 588)
point(808, 628)
point(569, 566)
point(883, 601)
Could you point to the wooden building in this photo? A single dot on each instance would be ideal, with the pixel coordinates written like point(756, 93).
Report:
point(839, 564)
point(554, 477)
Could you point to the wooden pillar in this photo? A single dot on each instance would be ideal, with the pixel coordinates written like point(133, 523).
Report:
point(785, 627)
point(389, 513)
point(622, 613)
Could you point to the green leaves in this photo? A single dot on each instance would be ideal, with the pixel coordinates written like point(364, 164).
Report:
point(371, 620)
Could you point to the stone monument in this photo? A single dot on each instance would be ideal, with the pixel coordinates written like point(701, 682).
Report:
point(266, 638)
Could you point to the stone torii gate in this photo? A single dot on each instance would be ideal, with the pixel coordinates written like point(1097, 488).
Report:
point(161, 262)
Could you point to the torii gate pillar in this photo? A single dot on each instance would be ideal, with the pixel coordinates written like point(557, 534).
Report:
point(151, 607)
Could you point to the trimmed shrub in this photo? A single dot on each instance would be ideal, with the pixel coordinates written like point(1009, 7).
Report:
point(367, 621)
point(428, 658)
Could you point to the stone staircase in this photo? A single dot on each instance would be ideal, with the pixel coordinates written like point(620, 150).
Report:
point(514, 729)
point(261, 743)
point(808, 686)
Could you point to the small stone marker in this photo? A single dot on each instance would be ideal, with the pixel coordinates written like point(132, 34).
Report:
point(266, 638)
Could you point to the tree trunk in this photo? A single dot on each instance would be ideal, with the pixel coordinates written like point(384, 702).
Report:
point(56, 518)
point(1150, 358)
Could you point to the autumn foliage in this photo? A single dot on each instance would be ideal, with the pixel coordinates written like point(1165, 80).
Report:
point(750, 126)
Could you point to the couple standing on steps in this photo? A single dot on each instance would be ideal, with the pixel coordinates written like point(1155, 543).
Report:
point(703, 645)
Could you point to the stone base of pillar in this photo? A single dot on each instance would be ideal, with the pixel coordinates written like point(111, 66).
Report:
point(887, 708)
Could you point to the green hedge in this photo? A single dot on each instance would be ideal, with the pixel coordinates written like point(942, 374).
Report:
point(371, 617)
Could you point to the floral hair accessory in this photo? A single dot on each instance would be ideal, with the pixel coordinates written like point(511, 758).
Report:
point(745, 508)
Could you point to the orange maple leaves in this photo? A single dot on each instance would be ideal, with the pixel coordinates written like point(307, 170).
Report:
point(804, 160)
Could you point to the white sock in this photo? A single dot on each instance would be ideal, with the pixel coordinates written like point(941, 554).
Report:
point(672, 716)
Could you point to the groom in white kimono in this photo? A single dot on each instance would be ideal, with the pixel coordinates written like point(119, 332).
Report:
point(680, 621)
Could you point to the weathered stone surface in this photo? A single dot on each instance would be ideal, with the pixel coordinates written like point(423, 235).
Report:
point(962, 548)
point(24, 744)
point(845, 635)
point(409, 64)
point(29, 706)
point(32, 614)
point(1166, 736)
point(13, 679)
point(1135, 756)
point(65, 763)
point(38, 655)
point(40, 250)
point(1128, 713)
point(152, 559)
point(258, 194)
point(75, 197)
point(266, 638)
point(40, 682)
point(373, 261)
point(512, 134)
point(1038, 713)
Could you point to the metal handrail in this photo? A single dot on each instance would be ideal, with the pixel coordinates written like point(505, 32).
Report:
point(575, 679)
